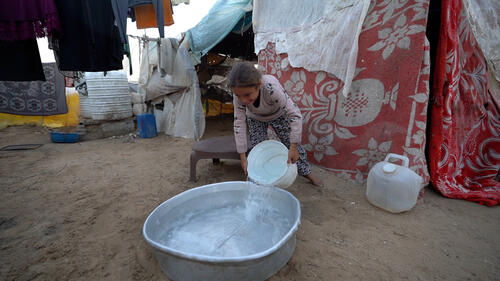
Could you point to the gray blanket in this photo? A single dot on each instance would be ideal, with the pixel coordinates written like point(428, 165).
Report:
point(35, 97)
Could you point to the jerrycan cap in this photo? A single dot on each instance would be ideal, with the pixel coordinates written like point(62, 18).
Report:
point(389, 168)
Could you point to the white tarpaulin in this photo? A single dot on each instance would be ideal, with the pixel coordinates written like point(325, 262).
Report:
point(169, 76)
point(319, 35)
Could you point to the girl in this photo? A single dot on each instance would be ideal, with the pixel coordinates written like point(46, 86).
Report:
point(260, 101)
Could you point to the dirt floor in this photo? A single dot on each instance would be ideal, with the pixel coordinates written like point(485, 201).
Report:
point(76, 211)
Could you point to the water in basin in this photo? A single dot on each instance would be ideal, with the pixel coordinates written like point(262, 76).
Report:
point(229, 231)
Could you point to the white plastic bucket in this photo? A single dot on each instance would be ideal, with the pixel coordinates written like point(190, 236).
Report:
point(267, 165)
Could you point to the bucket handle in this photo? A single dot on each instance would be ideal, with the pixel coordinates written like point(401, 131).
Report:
point(405, 159)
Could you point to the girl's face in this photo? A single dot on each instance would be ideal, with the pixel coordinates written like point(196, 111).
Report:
point(246, 95)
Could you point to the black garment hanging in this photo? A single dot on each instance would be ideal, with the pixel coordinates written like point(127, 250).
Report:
point(90, 40)
point(20, 61)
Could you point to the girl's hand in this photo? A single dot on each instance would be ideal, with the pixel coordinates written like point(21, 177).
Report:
point(293, 154)
point(244, 163)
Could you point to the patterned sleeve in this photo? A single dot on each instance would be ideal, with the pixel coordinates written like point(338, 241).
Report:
point(240, 126)
point(278, 96)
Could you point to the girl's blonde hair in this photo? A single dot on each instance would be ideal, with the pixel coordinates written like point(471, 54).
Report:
point(244, 74)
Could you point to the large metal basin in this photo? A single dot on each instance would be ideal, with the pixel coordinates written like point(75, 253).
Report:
point(235, 243)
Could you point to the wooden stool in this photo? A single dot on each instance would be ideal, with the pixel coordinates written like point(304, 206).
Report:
point(213, 148)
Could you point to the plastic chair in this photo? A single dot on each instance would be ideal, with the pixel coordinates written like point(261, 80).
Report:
point(213, 148)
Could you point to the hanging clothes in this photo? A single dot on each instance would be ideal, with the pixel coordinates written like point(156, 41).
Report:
point(146, 15)
point(21, 21)
point(90, 41)
point(35, 98)
point(20, 61)
point(120, 10)
point(28, 19)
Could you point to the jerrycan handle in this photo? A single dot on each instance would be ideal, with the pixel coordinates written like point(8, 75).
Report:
point(405, 159)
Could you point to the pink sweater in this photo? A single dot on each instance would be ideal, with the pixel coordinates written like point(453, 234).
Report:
point(274, 102)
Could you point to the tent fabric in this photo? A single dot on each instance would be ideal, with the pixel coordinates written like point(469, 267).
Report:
point(465, 125)
point(319, 35)
point(484, 19)
point(214, 27)
point(243, 24)
point(386, 109)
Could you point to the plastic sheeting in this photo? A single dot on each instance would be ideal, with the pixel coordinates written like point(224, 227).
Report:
point(320, 35)
point(484, 20)
point(164, 73)
point(167, 72)
point(464, 152)
point(214, 27)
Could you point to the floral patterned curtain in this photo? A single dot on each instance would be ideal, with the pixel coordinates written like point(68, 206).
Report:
point(386, 109)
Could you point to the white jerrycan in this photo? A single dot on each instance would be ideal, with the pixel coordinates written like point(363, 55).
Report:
point(392, 187)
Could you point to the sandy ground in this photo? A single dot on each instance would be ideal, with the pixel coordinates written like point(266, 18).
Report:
point(75, 212)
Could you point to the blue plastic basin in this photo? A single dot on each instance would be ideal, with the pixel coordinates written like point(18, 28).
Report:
point(64, 137)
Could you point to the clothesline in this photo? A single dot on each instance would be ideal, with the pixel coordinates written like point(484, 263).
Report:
point(147, 38)
point(144, 38)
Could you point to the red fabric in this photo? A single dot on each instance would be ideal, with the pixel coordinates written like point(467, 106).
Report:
point(465, 143)
point(386, 110)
